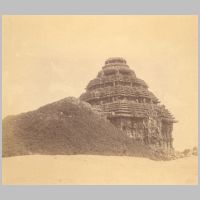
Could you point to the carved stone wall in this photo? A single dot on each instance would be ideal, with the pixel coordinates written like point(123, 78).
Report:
point(149, 131)
point(126, 101)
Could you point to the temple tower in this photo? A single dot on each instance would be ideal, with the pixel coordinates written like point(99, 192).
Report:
point(129, 105)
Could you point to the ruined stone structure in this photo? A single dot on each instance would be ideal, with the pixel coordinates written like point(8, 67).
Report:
point(129, 105)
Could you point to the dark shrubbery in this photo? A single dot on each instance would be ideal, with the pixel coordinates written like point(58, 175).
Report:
point(68, 126)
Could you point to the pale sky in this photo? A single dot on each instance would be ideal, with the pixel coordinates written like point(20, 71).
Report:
point(47, 58)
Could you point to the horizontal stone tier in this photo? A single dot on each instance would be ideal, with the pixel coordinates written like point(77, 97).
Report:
point(100, 82)
point(116, 69)
point(116, 91)
point(115, 60)
point(136, 110)
point(115, 66)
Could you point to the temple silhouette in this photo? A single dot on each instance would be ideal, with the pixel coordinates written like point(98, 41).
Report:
point(125, 100)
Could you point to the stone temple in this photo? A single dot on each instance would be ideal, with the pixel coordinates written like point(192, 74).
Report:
point(126, 101)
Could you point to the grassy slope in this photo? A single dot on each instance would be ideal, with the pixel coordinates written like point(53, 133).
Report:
point(68, 127)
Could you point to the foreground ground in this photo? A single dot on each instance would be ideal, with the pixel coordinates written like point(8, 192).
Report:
point(83, 169)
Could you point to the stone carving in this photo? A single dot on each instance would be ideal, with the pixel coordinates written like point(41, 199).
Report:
point(129, 105)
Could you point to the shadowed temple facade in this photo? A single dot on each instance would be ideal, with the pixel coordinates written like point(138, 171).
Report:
point(125, 100)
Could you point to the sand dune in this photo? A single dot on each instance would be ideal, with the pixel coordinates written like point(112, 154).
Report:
point(83, 169)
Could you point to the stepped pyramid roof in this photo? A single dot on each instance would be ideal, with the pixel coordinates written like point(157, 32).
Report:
point(117, 91)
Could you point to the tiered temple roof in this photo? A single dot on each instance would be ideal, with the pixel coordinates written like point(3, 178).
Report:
point(118, 92)
point(117, 89)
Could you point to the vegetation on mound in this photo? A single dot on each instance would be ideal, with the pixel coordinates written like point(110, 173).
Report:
point(68, 126)
point(187, 153)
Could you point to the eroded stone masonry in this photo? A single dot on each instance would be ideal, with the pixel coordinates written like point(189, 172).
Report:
point(129, 105)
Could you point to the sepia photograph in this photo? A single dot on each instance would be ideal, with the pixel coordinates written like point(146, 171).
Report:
point(100, 100)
